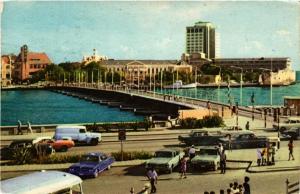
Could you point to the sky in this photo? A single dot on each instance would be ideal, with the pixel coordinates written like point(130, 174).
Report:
point(68, 30)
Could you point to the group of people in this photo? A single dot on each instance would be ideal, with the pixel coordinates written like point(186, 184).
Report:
point(266, 156)
point(29, 128)
point(235, 188)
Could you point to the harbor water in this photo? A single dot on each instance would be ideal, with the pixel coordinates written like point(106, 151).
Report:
point(262, 95)
point(45, 107)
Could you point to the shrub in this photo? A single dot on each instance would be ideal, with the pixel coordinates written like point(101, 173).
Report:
point(22, 156)
point(207, 121)
point(58, 159)
point(143, 155)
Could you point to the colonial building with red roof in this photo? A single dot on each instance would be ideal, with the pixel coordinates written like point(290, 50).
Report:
point(27, 63)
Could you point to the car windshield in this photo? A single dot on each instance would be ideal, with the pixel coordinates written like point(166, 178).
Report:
point(208, 152)
point(89, 158)
point(163, 154)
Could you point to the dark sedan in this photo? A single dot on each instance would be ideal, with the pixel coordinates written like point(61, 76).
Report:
point(91, 164)
point(200, 138)
point(244, 140)
point(293, 133)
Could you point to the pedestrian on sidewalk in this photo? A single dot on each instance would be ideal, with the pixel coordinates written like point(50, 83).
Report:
point(246, 185)
point(247, 125)
point(19, 128)
point(183, 166)
point(259, 157)
point(220, 149)
point(152, 176)
point(264, 156)
point(272, 151)
point(291, 148)
point(131, 190)
point(192, 152)
point(223, 162)
point(29, 129)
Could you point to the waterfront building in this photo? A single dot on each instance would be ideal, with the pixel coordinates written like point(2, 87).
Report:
point(93, 58)
point(281, 77)
point(27, 63)
point(7, 62)
point(200, 38)
point(133, 70)
point(293, 103)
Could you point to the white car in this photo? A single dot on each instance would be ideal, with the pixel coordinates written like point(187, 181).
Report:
point(291, 122)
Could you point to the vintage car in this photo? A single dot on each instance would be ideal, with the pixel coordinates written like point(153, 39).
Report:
point(245, 139)
point(8, 151)
point(291, 122)
point(165, 160)
point(293, 133)
point(91, 164)
point(58, 145)
point(207, 158)
point(201, 138)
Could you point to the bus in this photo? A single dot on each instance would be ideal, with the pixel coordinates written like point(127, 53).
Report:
point(43, 182)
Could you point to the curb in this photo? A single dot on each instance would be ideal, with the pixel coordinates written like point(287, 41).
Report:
point(262, 171)
point(64, 166)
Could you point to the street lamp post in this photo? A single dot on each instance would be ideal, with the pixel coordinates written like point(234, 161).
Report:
point(271, 97)
point(220, 74)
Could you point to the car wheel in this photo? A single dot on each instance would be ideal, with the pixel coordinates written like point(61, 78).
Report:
point(94, 142)
point(96, 174)
point(171, 169)
point(64, 148)
point(109, 166)
point(282, 129)
point(216, 167)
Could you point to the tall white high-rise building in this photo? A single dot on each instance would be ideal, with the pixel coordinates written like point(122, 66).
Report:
point(201, 38)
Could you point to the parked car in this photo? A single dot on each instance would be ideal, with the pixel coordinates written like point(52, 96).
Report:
point(8, 151)
point(58, 145)
point(201, 138)
point(291, 122)
point(78, 134)
point(92, 164)
point(207, 158)
point(293, 132)
point(165, 160)
point(246, 139)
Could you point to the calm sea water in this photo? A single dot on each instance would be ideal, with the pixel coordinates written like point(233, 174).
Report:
point(261, 94)
point(44, 107)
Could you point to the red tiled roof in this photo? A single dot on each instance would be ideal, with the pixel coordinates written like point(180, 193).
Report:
point(38, 58)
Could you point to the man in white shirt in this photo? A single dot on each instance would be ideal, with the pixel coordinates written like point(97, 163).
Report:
point(192, 152)
point(152, 176)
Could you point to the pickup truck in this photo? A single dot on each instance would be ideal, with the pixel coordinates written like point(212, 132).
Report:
point(200, 138)
point(165, 160)
point(206, 158)
point(291, 122)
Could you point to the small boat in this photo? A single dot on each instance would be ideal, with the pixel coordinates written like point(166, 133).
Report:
point(179, 85)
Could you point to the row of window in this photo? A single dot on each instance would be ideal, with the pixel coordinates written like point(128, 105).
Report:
point(37, 66)
point(192, 30)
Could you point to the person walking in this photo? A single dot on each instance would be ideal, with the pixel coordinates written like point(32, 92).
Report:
point(259, 157)
point(247, 125)
point(29, 129)
point(291, 148)
point(192, 152)
point(183, 166)
point(220, 149)
point(223, 162)
point(229, 143)
point(152, 176)
point(246, 185)
point(19, 128)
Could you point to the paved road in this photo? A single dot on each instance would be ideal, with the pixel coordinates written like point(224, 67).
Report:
point(119, 180)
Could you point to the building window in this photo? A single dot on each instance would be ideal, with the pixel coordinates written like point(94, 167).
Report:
point(35, 66)
point(31, 66)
